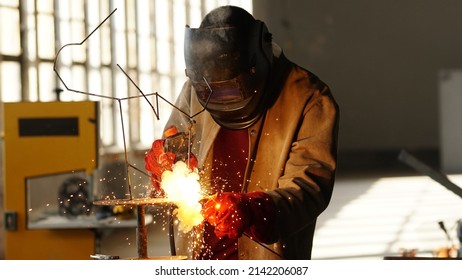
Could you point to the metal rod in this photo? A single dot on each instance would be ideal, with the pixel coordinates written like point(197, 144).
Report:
point(142, 233)
point(439, 177)
point(171, 231)
point(127, 164)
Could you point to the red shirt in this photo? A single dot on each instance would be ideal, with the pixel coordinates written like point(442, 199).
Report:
point(230, 156)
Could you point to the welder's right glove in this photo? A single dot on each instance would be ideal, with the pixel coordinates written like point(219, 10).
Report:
point(233, 214)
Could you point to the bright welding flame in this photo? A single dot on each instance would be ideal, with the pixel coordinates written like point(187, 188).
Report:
point(182, 187)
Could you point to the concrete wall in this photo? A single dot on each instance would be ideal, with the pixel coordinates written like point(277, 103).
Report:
point(381, 60)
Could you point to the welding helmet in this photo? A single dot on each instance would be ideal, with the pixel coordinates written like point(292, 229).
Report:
point(228, 60)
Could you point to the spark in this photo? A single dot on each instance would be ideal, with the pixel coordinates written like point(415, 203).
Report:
point(182, 187)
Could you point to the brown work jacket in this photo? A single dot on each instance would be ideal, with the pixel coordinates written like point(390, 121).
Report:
point(293, 156)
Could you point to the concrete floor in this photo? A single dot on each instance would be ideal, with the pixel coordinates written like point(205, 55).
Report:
point(376, 215)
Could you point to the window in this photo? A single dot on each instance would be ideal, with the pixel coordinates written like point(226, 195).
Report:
point(10, 51)
point(142, 39)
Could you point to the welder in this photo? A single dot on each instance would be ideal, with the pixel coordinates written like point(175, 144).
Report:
point(265, 142)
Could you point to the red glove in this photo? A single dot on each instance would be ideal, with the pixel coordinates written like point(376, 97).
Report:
point(232, 214)
point(157, 160)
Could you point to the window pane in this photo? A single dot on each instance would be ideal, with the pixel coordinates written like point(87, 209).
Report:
point(105, 32)
point(10, 3)
point(46, 82)
point(94, 83)
point(45, 33)
point(178, 38)
point(105, 44)
point(9, 37)
point(131, 32)
point(143, 31)
point(10, 91)
point(45, 6)
point(107, 131)
point(77, 9)
point(120, 81)
point(163, 57)
point(163, 32)
point(195, 15)
point(78, 34)
point(32, 89)
point(79, 82)
point(94, 41)
point(144, 54)
point(31, 35)
point(107, 107)
point(132, 52)
point(106, 82)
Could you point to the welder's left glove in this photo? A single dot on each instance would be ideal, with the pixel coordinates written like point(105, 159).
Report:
point(233, 214)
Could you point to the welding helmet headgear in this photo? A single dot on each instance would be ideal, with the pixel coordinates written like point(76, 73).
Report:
point(228, 60)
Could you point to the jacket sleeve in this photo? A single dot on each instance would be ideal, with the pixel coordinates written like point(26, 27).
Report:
point(305, 188)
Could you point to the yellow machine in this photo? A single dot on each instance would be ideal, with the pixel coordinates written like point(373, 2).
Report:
point(45, 142)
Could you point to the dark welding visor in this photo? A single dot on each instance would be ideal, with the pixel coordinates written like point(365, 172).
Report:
point(222, 92)
point(214, 53)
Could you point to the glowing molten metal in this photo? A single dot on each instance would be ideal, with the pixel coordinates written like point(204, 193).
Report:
point(181, 186)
